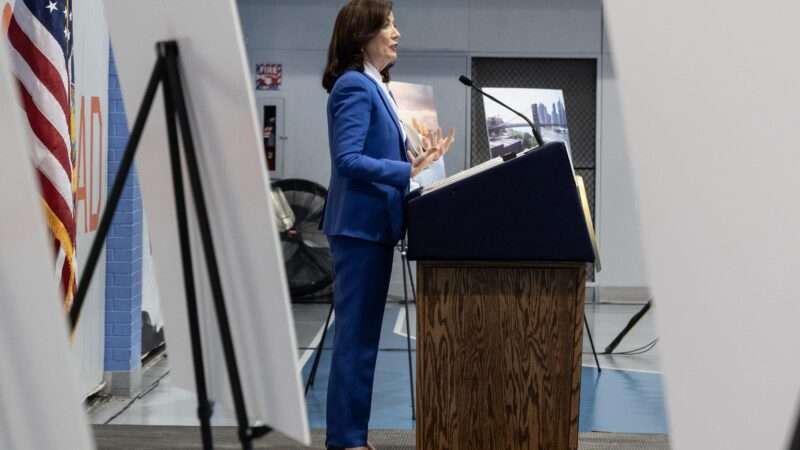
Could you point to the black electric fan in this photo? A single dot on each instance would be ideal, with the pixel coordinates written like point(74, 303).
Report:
point(299, 205)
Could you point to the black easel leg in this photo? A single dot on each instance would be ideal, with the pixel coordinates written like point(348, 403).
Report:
point(116, 194)
point(313, 374)
point(404, 262)
point(246, 433)
point(631, 323)
point(204, 407)
point(591, 342)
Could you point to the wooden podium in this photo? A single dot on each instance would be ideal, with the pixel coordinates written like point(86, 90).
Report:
point(501, 265)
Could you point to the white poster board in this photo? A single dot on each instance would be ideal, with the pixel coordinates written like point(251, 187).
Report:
point(152, 319)
point(41, 403)
point(416, 102)
point(710, 102)
point(229, 141)
point(90, 51)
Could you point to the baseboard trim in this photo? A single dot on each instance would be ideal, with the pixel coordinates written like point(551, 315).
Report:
point(124, 384)
point(623, 294)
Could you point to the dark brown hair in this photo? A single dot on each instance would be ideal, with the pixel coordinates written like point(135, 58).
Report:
point(358, 22)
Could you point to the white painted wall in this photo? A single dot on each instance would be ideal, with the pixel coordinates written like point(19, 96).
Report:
point(546, 27)
point(438, 40)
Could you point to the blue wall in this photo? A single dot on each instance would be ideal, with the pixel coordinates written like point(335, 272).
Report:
point(123, 339)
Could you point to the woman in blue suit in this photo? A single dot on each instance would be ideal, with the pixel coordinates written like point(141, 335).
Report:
point(370, 173)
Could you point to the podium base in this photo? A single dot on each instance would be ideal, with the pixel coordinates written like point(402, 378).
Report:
point(499, 349)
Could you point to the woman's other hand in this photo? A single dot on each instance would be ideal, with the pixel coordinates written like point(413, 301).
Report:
point(434, 146)
point(431, 138)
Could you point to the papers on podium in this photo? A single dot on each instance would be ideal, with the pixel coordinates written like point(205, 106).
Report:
point(462, 175)
point(474, 170)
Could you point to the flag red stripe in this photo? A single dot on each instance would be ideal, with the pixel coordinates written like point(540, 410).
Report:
point(57, 205)
point(45, 130)
point(39, 64)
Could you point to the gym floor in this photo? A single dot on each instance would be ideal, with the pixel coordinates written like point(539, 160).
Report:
point(627, 397)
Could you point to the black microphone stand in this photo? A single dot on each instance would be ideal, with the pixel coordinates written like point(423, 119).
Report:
point(467, 82)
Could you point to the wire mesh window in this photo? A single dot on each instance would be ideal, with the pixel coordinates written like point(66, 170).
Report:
point(577, 78)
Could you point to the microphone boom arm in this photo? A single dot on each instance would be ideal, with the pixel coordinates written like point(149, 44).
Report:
point(536, 135)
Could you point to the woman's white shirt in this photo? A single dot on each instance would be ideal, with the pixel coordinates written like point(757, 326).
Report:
point(375, 74)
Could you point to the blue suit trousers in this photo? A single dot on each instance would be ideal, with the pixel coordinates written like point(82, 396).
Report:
point(363, 269)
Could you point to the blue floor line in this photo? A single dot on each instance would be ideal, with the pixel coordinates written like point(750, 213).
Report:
point(615, 401)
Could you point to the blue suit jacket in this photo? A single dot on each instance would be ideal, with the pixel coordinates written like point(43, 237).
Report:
point(369, 169)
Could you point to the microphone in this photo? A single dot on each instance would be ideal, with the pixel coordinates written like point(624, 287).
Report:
point(467, 82)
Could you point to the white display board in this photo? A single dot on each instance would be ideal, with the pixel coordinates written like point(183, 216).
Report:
point(90, 50)
point(229, 141)
point(41, 403)
point(710, 102)
point(416, 102)
point(152, 319)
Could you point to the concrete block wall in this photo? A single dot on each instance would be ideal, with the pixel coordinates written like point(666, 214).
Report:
point(123, 251)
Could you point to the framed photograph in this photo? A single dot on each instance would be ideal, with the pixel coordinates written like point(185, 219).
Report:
point(508, 133)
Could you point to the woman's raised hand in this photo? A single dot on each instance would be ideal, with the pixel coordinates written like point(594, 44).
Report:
point(434, 146)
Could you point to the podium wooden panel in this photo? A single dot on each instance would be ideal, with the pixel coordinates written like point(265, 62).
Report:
point(499, 355)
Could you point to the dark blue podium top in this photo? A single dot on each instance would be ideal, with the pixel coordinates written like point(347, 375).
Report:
point(525, 209)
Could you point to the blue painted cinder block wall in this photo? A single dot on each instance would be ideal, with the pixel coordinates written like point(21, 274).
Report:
point(123, 339)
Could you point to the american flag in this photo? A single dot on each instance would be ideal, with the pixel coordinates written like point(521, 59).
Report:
point(40, 38)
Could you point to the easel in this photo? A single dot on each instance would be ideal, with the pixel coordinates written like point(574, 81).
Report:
point(631, 323)
point(167, 73)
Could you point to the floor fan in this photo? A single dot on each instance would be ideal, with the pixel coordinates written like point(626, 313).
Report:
point(299, 205)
